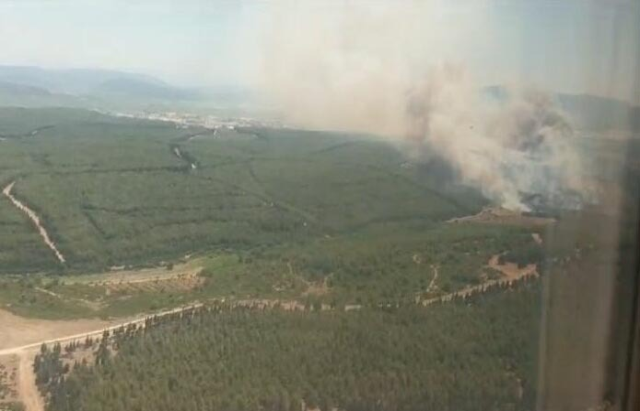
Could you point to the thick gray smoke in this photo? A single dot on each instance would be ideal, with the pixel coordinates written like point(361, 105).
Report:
point(517, 148)
point(365, 69)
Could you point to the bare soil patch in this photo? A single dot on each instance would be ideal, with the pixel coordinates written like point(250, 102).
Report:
point(117, 276)
point(27, 388)
point(317, 289)
point(18, 331)
point(432, 284)
point(182, 282)
point(511, 271)
point(497, 215)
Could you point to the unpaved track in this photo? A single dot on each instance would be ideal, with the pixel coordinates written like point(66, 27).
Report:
point(35, 219)
point(510, 278)
point(95, 332)
point(27, 389)
point(498, 215)
point(30, 396)
point(18, 331)
point(28, 392)
point(432, 283)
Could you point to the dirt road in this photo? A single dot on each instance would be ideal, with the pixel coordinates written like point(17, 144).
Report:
point(94, 332)
point(49, 332)
point(511, 274)
point(35, 219)
point(27, 389)
point(18, 331)
point(432, 283)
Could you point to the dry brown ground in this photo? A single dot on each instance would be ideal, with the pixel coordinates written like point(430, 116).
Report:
point(26, 384)
point(317, 289)
point(19, 331)
point(8, 379)
point(511, 271)
point(181, 282)
point(510, 274)
point(497, 215)
point(116, 276)
point(18, 381)
point(537, 238)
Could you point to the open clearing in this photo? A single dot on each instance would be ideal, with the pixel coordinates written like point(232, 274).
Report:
point(511, 271)
point(18, 331)
point(497, 215)
point(119, 276)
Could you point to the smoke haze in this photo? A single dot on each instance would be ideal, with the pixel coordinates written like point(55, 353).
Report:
point(387, 70)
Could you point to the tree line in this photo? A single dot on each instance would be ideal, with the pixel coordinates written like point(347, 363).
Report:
point(475, 353)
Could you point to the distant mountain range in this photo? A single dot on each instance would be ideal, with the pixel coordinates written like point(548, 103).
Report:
point(35, 86)
point(73, 81)
point(87, 88)
point(21, 89)
point(142, 88)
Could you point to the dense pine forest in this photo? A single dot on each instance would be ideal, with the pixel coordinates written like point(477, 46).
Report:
point(476, 353)
point(114, 191)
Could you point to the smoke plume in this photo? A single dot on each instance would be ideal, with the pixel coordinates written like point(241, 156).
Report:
point(366, 69)
point(517, 150)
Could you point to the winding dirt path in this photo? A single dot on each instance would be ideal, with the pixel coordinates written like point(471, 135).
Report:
point(432, 283)
point(35, 219)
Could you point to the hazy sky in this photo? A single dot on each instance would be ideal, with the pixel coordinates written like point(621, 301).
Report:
point(564, 45)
